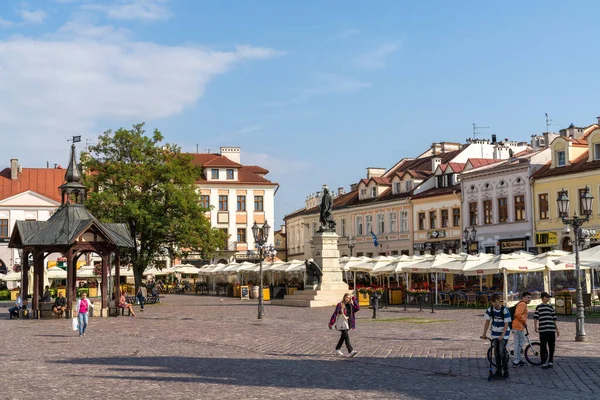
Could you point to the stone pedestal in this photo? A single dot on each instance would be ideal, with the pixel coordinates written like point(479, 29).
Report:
point(332, 287)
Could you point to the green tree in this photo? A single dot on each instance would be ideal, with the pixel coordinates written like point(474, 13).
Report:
point(149, 186)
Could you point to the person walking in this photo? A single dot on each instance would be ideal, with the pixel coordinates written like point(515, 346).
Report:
point(545, 324)
point(343, 319)
point(499, 317)
point(519, 325)
point(81, 309)
point(141, 296)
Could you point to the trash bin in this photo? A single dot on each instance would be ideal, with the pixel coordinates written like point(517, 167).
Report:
point(563, 303)
point(254, 292)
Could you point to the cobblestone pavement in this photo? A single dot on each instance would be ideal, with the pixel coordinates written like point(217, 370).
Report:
point(198, 347)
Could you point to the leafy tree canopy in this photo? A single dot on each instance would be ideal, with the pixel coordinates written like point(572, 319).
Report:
point(150, 186)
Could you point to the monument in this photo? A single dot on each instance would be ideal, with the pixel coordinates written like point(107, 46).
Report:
point(325, 285)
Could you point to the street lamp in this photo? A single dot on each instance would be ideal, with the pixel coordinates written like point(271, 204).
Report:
point(469, 238)
point(576, 221)
point(261, 235)
point(351, 244)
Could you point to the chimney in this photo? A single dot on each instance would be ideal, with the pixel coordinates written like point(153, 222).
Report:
point(373, 172)
point(493, 139)
point(434, 163)
point(283, 229)
point(14, 169)
point(341, 191)
point(233, 153)
point(353, 187)
point(598, 118)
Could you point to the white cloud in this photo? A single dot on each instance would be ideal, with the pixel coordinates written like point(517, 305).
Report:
point(145, 10)
point(377, 58)
point(331, 84)
point(72, 82)
point(33, 17)
point(5, 23)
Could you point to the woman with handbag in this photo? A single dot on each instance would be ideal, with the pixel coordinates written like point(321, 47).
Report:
point(343, 319)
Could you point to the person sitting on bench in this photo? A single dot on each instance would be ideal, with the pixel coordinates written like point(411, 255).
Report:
point(14, 311)
point(60, 305)
point(47, 297)
point(124, 304)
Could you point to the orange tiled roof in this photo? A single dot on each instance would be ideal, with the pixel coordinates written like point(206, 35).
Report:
point(580, 164)
point(246, 174)
point(44, 181)
point(256, 169)
point(457, 167)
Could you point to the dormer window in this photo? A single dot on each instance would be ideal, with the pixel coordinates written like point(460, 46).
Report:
point(397, 186)
point(596, 151)
point(560, 158)
point(363, 193)
point(214, 173)
point(374, 192)
point(229, 173)
point(408, 185)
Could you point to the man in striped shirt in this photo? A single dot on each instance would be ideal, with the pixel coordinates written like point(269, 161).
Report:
point(545, 323)
point(499, 316)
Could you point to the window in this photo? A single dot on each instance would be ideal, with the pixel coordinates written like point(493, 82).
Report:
point(223, 202)
point(359, 226)
point(380, 223)
point(374, 192)
point(408, 185)
point(560, 158)
point(421, 221)
point(229, 174)
point(214, 173)
point(363, 193)
point(225, 231)
point(543, 201)
point(3, 228)
point(397, 186)
point(392, 221)
point(596, 151)
point(368, 224)
point(502, 210)
point(456, 217)
point(403, 221)
point(205, 201)
point(241, 235)
point(520, 208)
point(258, 203)
point(343, 227)
point(473, 214)
point(444, 218)
point(487, 212)
point(432, 219)
point(241, 203)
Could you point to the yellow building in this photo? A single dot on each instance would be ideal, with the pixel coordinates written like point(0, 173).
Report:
point(575, 164)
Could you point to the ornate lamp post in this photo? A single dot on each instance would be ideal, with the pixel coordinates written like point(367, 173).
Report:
point(576, 221)
point(261, 235)
point(351, 244)
point(469, 238)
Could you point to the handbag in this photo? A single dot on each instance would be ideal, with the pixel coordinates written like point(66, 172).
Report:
point(75, 324)
point(341, 322)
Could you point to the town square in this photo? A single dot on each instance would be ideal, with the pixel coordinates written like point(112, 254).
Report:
point(274, 199)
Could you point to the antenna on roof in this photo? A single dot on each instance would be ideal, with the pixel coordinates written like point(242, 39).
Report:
point(548, 123)
point(477, 128)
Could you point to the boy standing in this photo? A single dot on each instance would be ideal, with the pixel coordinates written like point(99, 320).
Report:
point(519, 324)
point(545, 323)
point(500, 318)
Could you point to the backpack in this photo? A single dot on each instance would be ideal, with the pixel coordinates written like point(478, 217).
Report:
point(513, 311)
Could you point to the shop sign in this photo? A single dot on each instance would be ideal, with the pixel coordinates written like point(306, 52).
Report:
point(436, 234)
point(569, 265)
point(546, 239)
point(512, 245)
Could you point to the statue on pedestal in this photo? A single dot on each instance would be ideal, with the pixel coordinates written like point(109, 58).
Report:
point(326, 215)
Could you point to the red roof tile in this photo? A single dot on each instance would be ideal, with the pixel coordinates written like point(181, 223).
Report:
point(256, 169)
point(221, 161)
point(457, 167)
point(580, 164)
point(44, 181)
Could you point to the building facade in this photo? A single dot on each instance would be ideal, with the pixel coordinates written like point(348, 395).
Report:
point(574, 165)
point(26, 194)
point(238, 196)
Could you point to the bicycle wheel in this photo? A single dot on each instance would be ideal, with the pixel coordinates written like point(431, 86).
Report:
point(490, 356)
point(533, 353)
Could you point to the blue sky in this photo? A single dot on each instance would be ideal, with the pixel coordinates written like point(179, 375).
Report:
point(315, 91)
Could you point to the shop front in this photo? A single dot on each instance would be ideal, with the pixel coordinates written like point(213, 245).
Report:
point(444, 246)
point(546, 241)
point(511, 245)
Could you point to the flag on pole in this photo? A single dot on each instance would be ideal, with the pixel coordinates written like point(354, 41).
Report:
point(76, 139)
point(375, 242)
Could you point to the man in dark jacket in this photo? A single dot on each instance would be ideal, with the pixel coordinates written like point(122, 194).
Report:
point(60, 305)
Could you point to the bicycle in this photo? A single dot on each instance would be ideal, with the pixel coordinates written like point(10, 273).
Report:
point(532, 351)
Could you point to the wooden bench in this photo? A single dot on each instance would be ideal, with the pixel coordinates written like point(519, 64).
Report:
point(46, 310)
point(113, 310)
